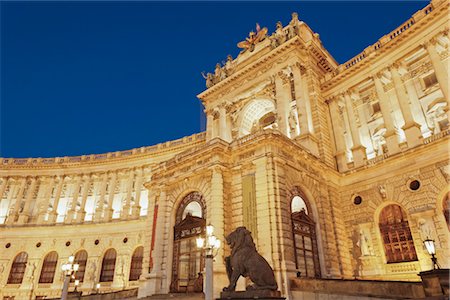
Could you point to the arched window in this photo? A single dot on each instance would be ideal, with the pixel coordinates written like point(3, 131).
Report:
point(108, 266)
point(49, 268)
point(80, 259)
point(188, 261)
point(136, 263)
point(396, 235)
point(446, 209)
point(18, 268)
point(305, 241)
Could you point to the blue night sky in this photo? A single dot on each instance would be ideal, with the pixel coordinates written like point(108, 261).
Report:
point(92, 77)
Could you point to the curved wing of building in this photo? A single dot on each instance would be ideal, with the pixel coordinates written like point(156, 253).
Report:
point(339, 171)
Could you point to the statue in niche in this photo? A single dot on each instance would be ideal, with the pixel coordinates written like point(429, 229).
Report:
point(356, 253)
point(425, 229)
point(93, 268)
point(253, 39)
point(31, 269)
point(246, 261)
point(292, 120)
point(364, 243)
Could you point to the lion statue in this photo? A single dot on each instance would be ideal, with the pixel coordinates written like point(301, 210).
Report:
point(247, 262)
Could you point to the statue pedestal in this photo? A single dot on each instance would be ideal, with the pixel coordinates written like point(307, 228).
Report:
point(251, 294)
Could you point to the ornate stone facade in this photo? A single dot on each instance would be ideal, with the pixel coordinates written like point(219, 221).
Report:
point(339, 171)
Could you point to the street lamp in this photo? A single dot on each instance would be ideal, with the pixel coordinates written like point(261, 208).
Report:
point(210, 244)
point(68, 269)
point(429, 244)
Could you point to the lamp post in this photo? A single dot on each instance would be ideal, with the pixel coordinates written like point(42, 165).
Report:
point(210, 244)
point(429, 244)
point(68, 269)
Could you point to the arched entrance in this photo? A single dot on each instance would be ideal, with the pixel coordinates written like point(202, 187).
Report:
point(396, 234)
point(304, 234)
point(188, 261)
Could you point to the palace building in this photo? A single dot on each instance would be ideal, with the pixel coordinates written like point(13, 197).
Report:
point(340, 171)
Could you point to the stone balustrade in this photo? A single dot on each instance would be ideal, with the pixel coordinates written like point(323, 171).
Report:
point(104, 156)
point(383, 41)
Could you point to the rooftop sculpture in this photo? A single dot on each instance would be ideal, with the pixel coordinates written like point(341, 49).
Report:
point(277, 38)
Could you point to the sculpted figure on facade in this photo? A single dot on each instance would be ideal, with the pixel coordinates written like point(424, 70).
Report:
point(253, 39)
point(229, 65)
point(292, 120)
point(209, 79)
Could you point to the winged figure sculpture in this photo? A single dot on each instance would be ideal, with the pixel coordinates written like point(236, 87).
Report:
point(253, 38)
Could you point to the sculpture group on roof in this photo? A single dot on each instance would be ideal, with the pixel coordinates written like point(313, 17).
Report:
point(277, 38)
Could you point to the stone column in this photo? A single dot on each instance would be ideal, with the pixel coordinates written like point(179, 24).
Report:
point(3, 187)
point(438, 66)
point(12, 216)
point(282, 90)
point(385, 107)
point(54, 213)
point(416, 107)
point(366, 139)
point(358, 150)
point(209, 124)
point(411, 128)
point(306, 137)
point(98, 214)
point(43, 208)
point(224, 130)
point(125, 213)
point(73, 205)
point(136, 209)
point(153, 285)
point(84, 194)
point(216, 218)
point(2, 191)
point(300, 100)
point(25, 214)
point(341, 158)
point(112, 189)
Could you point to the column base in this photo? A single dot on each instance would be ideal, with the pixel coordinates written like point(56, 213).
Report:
point(341, 161)
point(108, 214)
point(392, 143)
point(23, 219)
point(149, 284)
point(359, 156)
point(69, 218)
point(125, 213)
point(413, 134)
point(80, 217)
point(135, 211)
point(309, 141)
point(98, 216)
point(41, 218)
point(52, 217)
point(11, 219)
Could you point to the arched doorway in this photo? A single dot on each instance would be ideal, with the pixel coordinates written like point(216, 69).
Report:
point(304, 234)
point(188, 261)
point(396, 235)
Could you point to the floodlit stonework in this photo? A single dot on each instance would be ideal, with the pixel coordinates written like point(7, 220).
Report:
point(339, 171)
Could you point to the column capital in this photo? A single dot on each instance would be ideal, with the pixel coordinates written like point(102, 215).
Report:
point(379, 74)
point(86, 177)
